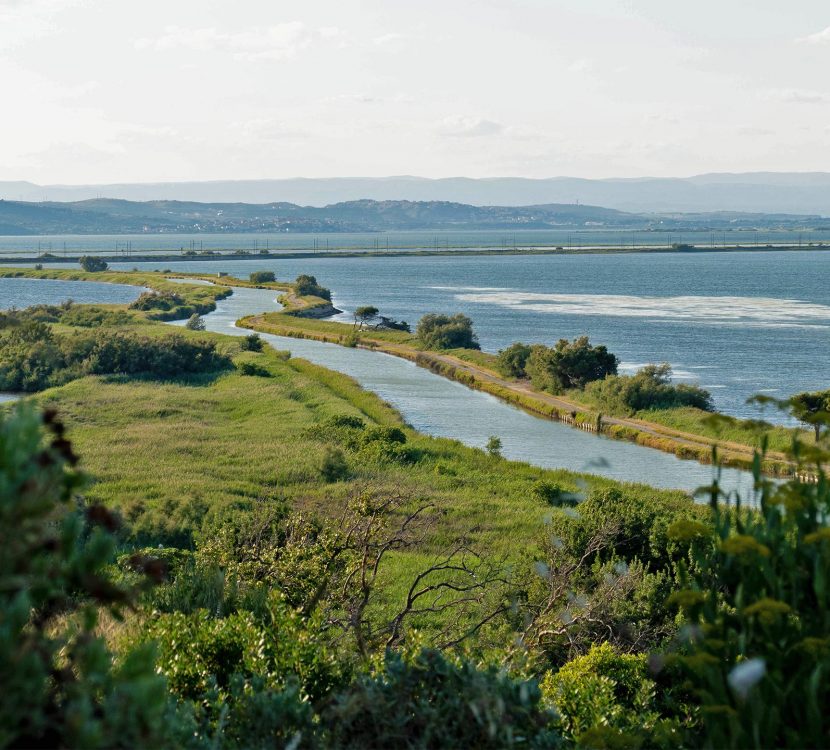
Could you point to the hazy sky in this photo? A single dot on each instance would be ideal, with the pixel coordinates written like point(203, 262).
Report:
point(96, 91)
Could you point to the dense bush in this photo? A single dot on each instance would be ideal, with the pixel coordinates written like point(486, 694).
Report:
point(251, 343)
point(157, 301)
point(756, 598)
point(307, 286)
point(92, 264)
point(195, 323)
point(569, 364)
point(262, 277)
point(33, 358)
point(430, 701)
point(650, 388)
point(512, 360)
point(608, 698)
point(447, 332)
point(61, 685)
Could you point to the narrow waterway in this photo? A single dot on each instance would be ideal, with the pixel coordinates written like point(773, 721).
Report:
point(437, 406)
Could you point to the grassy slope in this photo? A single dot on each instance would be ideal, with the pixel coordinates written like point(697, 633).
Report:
point(173, 456)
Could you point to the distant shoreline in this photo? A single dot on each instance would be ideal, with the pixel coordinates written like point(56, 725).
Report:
point(224, 256)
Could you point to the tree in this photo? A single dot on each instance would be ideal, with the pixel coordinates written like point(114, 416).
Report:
point(447, 332)
point(570, 364)
point(195, 323)
point(364, 314)
point(494, 446)
point(512, 361)
point(812, 408)
point(262, 277)
point(91, 264)
point(307, 286)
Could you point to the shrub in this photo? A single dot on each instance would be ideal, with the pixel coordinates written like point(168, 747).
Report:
point(92, 264)
point(157, 301)
point(512, 360)
point(447, 332)
point(606, 695)
point(429, 701)
point(262, 277)
point(650, 388)
point(195, 323)
point(307, 286)
point(494, 446)
point(549, 493)
point(61, 685)
point(251, 343)
point(570, 364)
point(252, 369)
point(756, 601)
point(334, 466)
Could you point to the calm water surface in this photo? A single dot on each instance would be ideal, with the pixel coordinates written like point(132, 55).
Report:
point(27, 292)
point(736, 323)
point(441, 407)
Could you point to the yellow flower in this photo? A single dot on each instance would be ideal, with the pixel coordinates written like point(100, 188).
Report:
point(685, 530)
point(768, 610)
point(744, 545)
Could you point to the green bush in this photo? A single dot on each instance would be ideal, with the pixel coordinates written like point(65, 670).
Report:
point(92, 264)
point(650, 388)
point(33, 358)
point(430, 701)
point(607, 698)
point(254, 370)
point(756, 600)
point(569, 364)
point(195, 323)
point(307, 286)
point(262, 277)
point(61, 685)
point(157, 301)
point(334, 466)
point(512, 360)
point(447, 332)
point(251, 343)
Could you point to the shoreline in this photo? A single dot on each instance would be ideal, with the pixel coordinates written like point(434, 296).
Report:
point(312, 310)
point(462, 251)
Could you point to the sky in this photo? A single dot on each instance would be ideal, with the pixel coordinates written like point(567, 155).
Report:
point(99, 91)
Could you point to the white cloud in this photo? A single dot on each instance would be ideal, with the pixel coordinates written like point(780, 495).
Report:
point(800, 96)
point(389, 38)
point(278, 42)
point(820, 37)
point(469, 127)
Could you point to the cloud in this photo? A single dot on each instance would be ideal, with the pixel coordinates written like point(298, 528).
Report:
point(278, 42)
point(800, 96)
point(469, 127)
point(389, 38)
point(820, 37)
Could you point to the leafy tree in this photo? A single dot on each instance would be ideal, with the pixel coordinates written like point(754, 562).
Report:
point(61, 685)
point(364, 314)
point(262, 277)
point(812, 409)
point(570, 364)
point(307, 286)
point(447, 332)
point(92, 264)
point(494, 446)
point(195, 323)
point(512, 360)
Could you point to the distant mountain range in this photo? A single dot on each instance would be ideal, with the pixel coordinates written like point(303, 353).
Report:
point(765, 192)
point(112, 216)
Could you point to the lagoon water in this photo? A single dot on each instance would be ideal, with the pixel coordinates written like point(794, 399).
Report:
point(437, 406)
point(21, 293)
point(736, 323)
point(432, 404)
